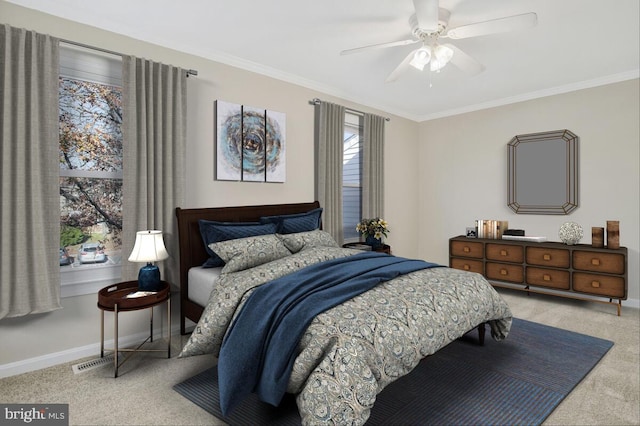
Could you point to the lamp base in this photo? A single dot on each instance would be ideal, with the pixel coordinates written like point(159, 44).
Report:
point(149, 278)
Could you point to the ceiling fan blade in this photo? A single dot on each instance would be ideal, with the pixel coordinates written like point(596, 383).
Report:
point(500, 25)
point(400, 68)
point(427, 14)
point(464, 62)
point(379, 46)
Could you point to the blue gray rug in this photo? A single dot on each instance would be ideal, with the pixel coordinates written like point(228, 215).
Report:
point(519, 381)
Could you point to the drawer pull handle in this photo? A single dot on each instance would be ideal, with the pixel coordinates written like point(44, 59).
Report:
point(595, 262)
point(595, 284)
point(546, 257)
point(466, 249)
point(466, 267)
point(503, 272)
point(546, 277)
point(503, 253)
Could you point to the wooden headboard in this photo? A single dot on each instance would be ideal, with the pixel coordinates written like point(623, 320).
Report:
point(192, 249)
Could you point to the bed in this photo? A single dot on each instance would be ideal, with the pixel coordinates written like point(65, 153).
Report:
point(347, 351)
point(192, 250)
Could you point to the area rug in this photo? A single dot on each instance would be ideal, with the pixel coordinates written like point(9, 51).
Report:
point(518, 381)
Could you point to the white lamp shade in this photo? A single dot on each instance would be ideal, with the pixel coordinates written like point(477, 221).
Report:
point(149, 247)
point(420, 58)
point(440, 57)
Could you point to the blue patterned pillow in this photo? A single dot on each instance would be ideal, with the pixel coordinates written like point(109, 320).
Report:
point(215, 232)
point(295, 223)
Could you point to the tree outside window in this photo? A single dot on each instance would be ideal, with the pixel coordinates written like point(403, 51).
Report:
point(90, 173)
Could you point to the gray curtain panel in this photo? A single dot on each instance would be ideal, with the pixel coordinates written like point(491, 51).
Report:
point(30, 211)
point(373, 166)
point(329, 134)
point(154, 130)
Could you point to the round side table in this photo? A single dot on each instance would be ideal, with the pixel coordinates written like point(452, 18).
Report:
point(385, 248)
point(123, 297)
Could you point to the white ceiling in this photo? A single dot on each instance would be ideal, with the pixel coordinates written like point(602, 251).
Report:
point(576, 44)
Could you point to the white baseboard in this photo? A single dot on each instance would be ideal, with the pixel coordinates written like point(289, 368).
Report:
point(632, 303)
point(73, 354)
point(629, 303)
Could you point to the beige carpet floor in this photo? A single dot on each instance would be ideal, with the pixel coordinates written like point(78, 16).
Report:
point(143, 394)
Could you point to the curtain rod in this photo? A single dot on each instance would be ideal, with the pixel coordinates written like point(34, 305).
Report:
point(111, 52)
point(316, 101)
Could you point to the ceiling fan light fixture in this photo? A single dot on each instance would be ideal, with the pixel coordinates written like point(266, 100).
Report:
point(421, 58)
point(440, 56)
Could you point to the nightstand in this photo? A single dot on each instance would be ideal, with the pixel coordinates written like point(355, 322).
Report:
point(385, 248)
point(123, 297)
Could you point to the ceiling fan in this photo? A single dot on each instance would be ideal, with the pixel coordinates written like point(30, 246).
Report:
point(429, 24)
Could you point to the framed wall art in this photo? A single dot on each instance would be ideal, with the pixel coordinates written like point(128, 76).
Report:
point(250, 143)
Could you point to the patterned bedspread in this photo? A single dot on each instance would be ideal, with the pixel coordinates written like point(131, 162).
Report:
point(349, 353)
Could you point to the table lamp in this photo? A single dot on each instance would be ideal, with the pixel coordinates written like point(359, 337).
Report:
point(149, 247)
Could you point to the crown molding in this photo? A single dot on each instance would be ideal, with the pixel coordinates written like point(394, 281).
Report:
point(558, 90)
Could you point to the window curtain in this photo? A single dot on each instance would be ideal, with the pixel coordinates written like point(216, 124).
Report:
point(373, 166)
point(329, 153)
point(30, 211)
point(154, 130)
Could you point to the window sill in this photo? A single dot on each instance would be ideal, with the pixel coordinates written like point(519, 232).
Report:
point(88, 280)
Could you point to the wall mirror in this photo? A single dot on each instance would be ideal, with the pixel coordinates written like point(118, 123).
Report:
point(543, 173)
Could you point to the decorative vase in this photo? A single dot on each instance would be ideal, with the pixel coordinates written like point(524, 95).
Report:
point(570, 233)
point(597, 237)
point(373, 241)
point(613, 234)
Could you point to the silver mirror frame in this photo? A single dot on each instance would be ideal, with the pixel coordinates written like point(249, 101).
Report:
point(523, 203)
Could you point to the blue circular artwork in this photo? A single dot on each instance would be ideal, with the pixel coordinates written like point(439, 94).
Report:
point(247, 146)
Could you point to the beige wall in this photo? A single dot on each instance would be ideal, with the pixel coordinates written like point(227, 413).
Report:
point(74, 330)
point(463, 168)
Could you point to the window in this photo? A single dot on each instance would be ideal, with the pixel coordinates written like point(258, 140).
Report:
point(90, 99)
point(352, 176)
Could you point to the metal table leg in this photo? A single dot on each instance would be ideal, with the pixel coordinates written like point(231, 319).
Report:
point(115, 343)
point(101, 333)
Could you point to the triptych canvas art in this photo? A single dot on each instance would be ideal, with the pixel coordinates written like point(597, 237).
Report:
point(250, 143)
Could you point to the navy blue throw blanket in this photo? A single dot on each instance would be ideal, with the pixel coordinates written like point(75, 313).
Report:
point(259, 349)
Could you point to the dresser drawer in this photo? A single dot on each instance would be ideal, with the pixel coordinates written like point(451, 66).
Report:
point(505, 253)
point(548, 278)
point(603, 285)
point(612, 263)
point(467, 265)
point(543, 256)
point(505, 272)
point(467, 249)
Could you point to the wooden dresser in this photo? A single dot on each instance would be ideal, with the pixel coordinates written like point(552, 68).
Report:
point(571, 271)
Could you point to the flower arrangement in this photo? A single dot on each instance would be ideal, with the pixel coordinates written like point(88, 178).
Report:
point(376, 228)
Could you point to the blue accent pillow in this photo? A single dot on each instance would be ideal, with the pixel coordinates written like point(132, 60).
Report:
point(295, 223)
point(215, 232)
